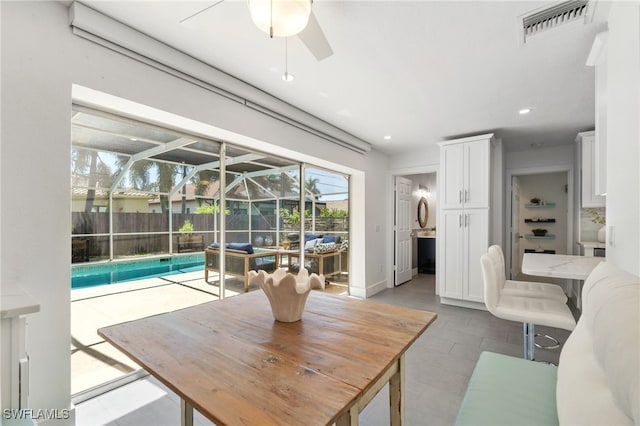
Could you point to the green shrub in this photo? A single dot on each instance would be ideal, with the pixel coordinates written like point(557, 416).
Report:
point(187, 228)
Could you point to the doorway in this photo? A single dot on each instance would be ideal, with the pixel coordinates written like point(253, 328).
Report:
point(540, 206)
point(415, 226)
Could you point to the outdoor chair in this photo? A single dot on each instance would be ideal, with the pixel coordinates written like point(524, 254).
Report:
point(240, 258)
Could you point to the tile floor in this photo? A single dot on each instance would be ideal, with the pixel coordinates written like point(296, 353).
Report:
point(439, 365)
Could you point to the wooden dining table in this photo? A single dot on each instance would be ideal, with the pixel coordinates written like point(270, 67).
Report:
point(235, 364)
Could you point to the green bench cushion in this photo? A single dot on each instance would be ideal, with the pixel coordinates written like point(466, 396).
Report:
point(504, 390)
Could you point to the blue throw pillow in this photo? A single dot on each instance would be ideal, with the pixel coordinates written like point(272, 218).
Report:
point(331, 239)
point(241, 246)
point(247, 247)
point(309, 237)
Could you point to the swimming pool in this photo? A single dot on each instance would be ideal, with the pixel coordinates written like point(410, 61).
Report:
point(128, 270)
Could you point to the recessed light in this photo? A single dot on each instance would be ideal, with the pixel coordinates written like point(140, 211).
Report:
point(387, 138)
point(287, 76)
point(524, 111)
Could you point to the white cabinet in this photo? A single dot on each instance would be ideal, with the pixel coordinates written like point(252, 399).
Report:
point(588, 154)
point(464, 219)
point(465, 241)
point(466, 164)
point(15, 304)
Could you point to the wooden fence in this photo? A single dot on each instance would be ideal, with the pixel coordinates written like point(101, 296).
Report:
point(148, 233)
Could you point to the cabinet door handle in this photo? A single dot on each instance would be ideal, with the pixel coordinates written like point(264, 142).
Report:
point(466, 196)
point(466, 220)
point(460, 193)
point(460, 221)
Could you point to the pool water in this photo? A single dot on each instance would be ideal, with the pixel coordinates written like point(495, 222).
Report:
point(121, 271)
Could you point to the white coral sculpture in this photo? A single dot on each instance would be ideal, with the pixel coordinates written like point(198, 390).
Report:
point(287, 293)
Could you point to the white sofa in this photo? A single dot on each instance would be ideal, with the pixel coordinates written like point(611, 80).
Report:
point(597, 381)
point(599, 368)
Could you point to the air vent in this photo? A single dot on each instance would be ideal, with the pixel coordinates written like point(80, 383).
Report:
point(543, 20)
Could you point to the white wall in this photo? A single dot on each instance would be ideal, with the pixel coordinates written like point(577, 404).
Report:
point(562, 155)
point(41, 60)
point(416, 159)
point(623, 136)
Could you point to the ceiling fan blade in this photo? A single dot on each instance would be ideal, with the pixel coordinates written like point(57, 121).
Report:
point(313, 37)
point(200, 11)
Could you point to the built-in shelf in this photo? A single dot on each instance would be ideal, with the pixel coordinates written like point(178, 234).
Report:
point(550, 220)
point(539, 251)
point(546, 237)
point(540, 206)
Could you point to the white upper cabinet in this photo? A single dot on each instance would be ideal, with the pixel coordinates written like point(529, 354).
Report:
point(588, 154)
point(466, 165)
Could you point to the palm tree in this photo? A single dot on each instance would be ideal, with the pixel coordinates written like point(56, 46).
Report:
point(311, 185)
point(87, 168)
point(141, 173)
point(203, 181)
point(166, 174)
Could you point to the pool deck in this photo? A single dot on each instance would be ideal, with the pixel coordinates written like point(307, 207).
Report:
point(93, 361)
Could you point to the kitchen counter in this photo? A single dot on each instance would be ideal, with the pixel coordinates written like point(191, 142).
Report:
point(588, 248)
point(15, 302)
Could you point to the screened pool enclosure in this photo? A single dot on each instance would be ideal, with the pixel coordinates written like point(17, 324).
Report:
point(143, 190)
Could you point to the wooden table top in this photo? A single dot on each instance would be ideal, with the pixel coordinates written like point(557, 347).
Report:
point(236, 365)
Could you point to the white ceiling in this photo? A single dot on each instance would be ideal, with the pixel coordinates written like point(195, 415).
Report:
point(420, 71)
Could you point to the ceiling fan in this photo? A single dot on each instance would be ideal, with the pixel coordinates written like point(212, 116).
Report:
point(283, 18)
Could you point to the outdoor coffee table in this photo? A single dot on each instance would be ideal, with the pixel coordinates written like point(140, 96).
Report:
point(236, 365)
point(327, 264)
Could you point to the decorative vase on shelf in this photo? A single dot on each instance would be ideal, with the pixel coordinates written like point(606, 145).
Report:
point(602, 234)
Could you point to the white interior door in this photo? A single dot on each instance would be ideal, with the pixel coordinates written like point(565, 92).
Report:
point(402, 230)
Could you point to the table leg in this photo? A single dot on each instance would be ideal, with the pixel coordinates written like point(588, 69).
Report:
point(186, 413)
point(396, 394)
point(350, 418)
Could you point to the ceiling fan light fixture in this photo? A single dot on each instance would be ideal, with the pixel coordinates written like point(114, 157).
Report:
point(287, 76)
point(280, 18)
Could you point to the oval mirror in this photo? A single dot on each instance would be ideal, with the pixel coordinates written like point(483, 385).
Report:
point(423, 212)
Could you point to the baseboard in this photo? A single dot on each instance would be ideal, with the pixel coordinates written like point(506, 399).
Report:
point(376, 288)
point(414, 272)
point(463, 303)
point(364, 293)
